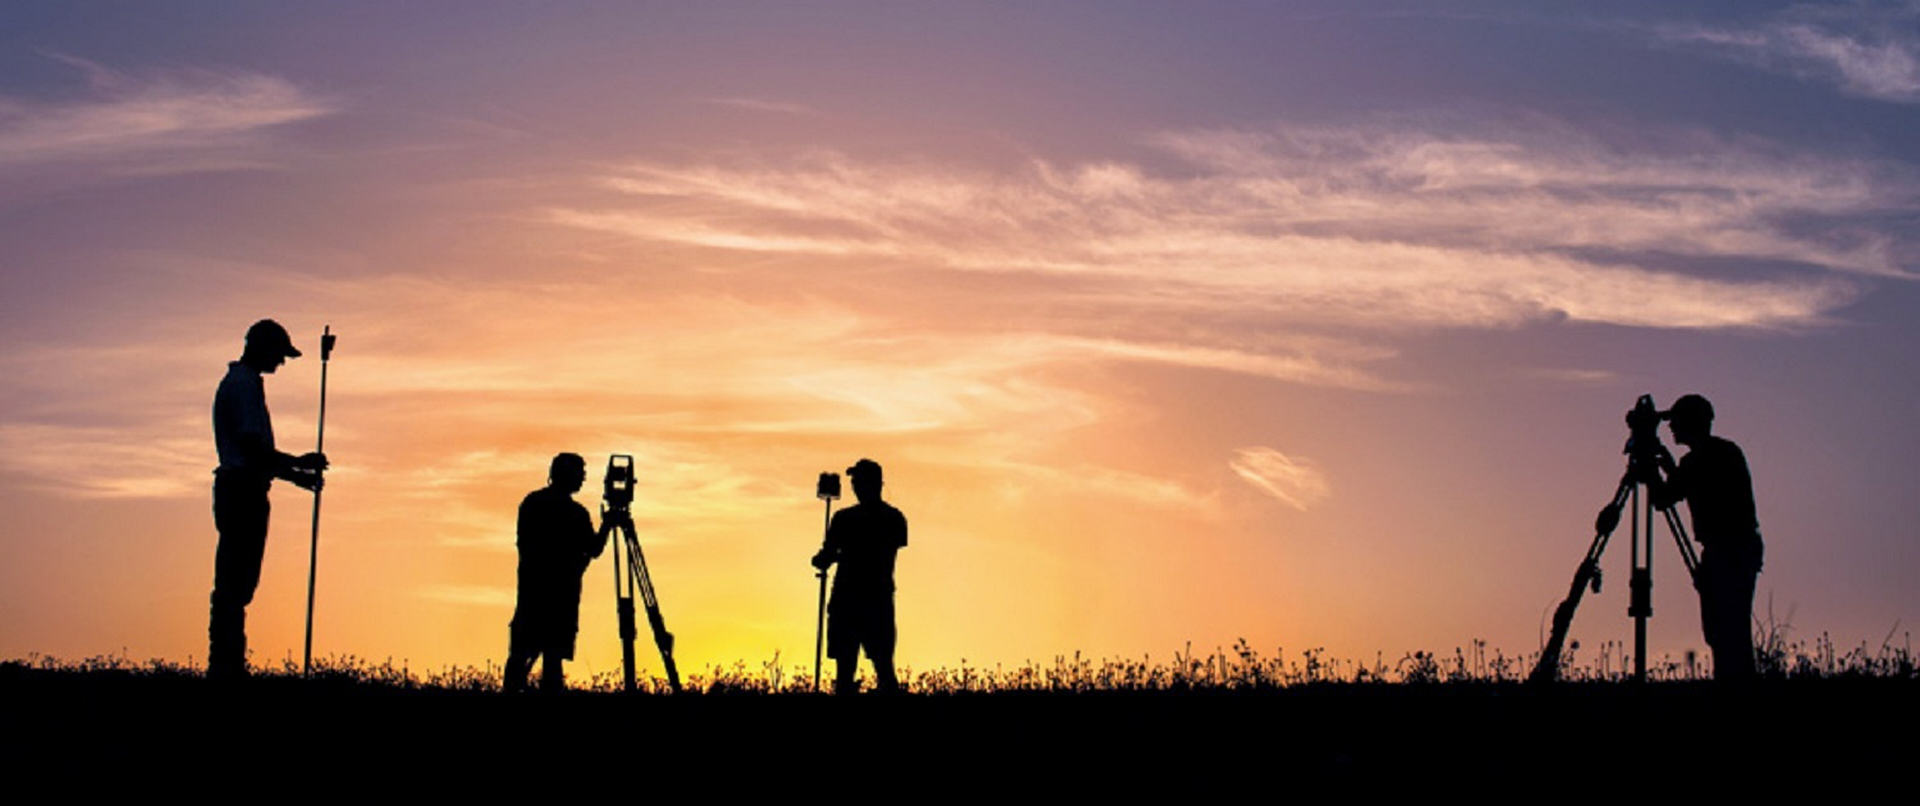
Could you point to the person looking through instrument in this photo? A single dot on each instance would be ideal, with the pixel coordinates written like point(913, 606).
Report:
point(1713, 479)
point(557, 542)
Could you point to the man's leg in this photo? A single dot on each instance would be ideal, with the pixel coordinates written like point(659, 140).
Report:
point(843, 644)
point(1736, 626)
point(1726, 612)
point(553, 678)
point(240, 514)
point(514, 680)
point(1707, 580)
point(880, 641)
point(519, 663)
point(844, 669)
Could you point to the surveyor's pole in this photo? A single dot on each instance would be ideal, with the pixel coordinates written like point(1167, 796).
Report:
point(820, 618)
point(313, 550)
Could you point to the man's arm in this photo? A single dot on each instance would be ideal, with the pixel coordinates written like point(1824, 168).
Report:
point(240, 410)
point(256, 434)
point(830, 547)
point(525, 525)
point(609, 520)
point(305, 470)
point(1666, 481)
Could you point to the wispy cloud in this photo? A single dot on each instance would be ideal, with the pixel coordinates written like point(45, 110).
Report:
point(1298, 256)
point(1293, 480)
point(105, 462)
point(486, 400)
point(470, 595)
point(1367, 227)
point(762, 105)
point(1583, 377)
point(122, 114)
point(1870, 50)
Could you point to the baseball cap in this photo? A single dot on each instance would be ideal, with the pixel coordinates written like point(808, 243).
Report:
point(865, 468)
point(1692, 408)
point(268, 336)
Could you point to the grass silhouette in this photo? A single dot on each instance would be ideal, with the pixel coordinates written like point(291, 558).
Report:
point(1241, 668)
point(1235, 718)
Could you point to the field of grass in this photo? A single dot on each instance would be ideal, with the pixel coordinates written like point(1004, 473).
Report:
point(1239, 669)
point(1217, 717)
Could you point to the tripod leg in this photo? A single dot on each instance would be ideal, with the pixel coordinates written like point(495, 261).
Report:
point(1640, 600)
point(1587, 575)
point(637, 575)
point(1548, 667)
point(664, 640)
point(627, 634)
point(1687, 554)
point(623, 608)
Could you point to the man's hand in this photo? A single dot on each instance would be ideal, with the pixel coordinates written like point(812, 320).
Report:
point(308, 480)
point(315, 461)
point(611, 519)
point(1645, 467)
point(822, 559)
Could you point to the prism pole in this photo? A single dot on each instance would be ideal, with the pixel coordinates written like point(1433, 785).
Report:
point(313, 551)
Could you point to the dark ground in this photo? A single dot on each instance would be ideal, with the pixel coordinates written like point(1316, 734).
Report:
point(69, 725)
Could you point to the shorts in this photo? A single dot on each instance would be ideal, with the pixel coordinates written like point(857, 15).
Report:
point(856, 623)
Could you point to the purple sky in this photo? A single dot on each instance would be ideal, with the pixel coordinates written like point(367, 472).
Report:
point(1309, 323)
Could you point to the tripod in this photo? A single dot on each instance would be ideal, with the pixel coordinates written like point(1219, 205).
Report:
point(619, 494)
point(1639, 465)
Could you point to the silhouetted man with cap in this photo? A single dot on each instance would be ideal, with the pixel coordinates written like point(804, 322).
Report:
point(863, 539)
point(557, 542)
point(249, 462)
point(1713, 479)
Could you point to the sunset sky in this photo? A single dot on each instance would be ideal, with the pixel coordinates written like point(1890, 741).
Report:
point(1308, 323)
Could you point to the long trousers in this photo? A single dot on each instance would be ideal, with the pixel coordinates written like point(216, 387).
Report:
point(1726, 582)
point(240, 512)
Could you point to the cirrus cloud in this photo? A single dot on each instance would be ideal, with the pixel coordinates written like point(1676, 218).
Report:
point(1868, 50)
point(1293, 480)
point(1374, 228)
point(172, 112)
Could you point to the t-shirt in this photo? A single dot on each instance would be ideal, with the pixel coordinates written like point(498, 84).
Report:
point(242, 429)
point(864, 539)
point(556, 541)
point(1712, 478)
